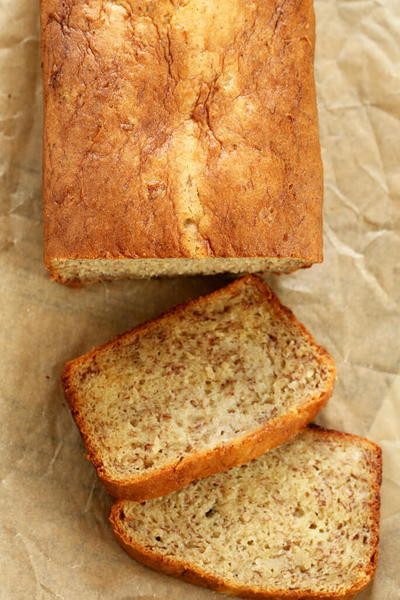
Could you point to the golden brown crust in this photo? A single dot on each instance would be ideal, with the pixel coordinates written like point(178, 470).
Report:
point(180, 130)
point(203, 464)
point(192, 574)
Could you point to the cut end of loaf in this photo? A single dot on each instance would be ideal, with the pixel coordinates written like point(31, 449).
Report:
point(85, 271)
point(208, 386)
point(302, 520)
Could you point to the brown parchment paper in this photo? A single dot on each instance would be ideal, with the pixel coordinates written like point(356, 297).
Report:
point(55, 542)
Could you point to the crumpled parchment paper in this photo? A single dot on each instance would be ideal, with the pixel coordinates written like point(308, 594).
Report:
point(55, 542)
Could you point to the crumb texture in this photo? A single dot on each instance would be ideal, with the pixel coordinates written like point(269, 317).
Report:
point(183, 129)
point(302, 517)
point(89, 271)
point(193, 381)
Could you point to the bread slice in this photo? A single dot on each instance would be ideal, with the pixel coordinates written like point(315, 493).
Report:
point(302, 521)
point(210, 385)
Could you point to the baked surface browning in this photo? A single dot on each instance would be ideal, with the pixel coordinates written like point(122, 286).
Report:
point(180, 129)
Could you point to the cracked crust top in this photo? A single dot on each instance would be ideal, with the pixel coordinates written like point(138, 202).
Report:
point(180, 129)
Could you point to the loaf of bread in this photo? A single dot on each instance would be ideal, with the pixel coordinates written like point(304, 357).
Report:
point(301, 522)
point(208, 386)
point(180, 138)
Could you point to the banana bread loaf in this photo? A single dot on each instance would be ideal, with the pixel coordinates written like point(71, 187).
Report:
point(180, 137)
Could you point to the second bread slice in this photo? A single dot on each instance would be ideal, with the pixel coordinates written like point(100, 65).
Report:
point(208, 386)
point(299, 523)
